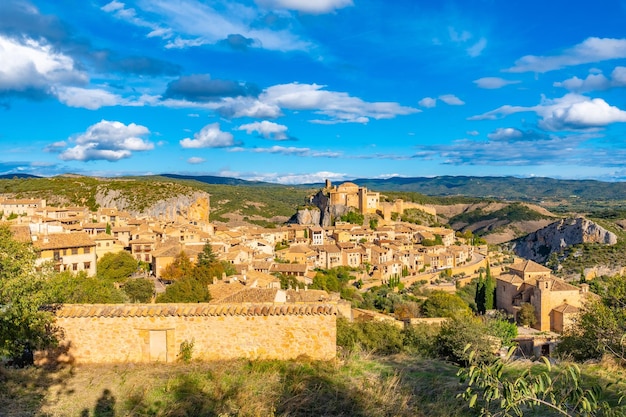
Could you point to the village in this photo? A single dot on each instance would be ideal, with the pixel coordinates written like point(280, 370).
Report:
point(74, 239)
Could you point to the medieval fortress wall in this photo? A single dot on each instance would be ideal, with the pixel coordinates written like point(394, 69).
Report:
point(154, 332)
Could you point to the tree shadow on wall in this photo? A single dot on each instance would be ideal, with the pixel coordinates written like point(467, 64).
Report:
point(105, 406)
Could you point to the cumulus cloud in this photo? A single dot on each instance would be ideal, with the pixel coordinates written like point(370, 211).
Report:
point(492, 83)
point(570, 112)
point(109, 141)
point(211, 136)
point(85, 98)
point(338, 107)
point(32, 67)
point(306, 6)
point(238, 42)
point(201, 87)
point(589, 51)
point(510, 134)
point(428, 102)
point(247, 107)
point(269, 130)
point(195, 160)
point(595, 81)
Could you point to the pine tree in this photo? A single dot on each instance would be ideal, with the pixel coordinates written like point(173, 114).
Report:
point(490, 291)
point(206, 258)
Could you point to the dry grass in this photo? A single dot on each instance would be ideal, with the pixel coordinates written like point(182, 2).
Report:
point(354, 386)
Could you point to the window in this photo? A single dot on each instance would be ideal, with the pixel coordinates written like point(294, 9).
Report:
point(74, 251)
point(87, 250)
point(74, 267)
point(87, 265)
point(56, 255)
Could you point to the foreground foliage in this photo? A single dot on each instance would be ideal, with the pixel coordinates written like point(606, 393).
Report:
point(24, 325)
point(560, 391)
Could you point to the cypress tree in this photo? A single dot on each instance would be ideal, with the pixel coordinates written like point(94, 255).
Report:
point(480, 294)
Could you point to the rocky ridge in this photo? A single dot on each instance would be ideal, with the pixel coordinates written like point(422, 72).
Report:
point(555, 237)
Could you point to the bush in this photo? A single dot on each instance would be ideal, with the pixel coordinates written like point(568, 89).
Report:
point(371, 336)
point(460, 331)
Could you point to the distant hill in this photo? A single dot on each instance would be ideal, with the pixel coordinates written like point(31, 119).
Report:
point(507, 188)
point(20, 176)
point(211, 179)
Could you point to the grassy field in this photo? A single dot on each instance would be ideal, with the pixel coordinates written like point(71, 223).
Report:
point(357, 385)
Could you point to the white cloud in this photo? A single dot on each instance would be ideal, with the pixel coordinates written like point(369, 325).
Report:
point(292, 150)
point(473, 132)
point(478, 48)
point(91, 99)
point(507, 134)
point(268, 130)
point(194, 160)
point(451, 100)
point(338, 106)
point(595, 81)
point(578, 112)
point(32, 64)
point(428, 102)
point(493, 82)
point(184, 23)
point(108, 140)
point(209, 137)
point(589, 51)
point(570, 112)
point(306, 6)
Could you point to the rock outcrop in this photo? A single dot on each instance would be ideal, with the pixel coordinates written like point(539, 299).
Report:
point(538, 245)
point(182, 207)
point(321, 213)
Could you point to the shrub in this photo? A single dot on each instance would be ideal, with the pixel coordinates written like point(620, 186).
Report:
point(371, 336)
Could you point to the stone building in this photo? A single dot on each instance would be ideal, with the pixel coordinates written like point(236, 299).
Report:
point(555, 301)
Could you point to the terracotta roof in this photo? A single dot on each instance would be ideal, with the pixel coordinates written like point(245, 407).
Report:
point(510, 278)
point(288, 267)
point(194, 309)
point(559, 285)
point(64, 240)
point(566, 309)
point(529, 266)
point(251, 295)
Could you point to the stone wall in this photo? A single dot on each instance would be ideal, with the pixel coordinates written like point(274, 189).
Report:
point(155, 332)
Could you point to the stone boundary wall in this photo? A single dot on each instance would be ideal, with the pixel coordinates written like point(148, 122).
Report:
point(128, 333)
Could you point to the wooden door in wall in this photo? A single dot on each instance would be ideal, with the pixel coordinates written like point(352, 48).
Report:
point(158, 346)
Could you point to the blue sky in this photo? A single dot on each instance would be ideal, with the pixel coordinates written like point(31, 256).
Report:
point(296, 91)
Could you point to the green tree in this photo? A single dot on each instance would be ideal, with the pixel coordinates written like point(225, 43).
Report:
point(526, 315)
point(207, 257)
point(185, 290)
point(601, 326)
point(108, 229)
point(69, 288)
point(460, 331)
point(23, 322)
point(480, 294)
point(139, 290)
point(441, 304)
point(116, 266)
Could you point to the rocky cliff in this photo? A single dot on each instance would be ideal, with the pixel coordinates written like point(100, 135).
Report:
point(553, 238)
point(194, 206)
